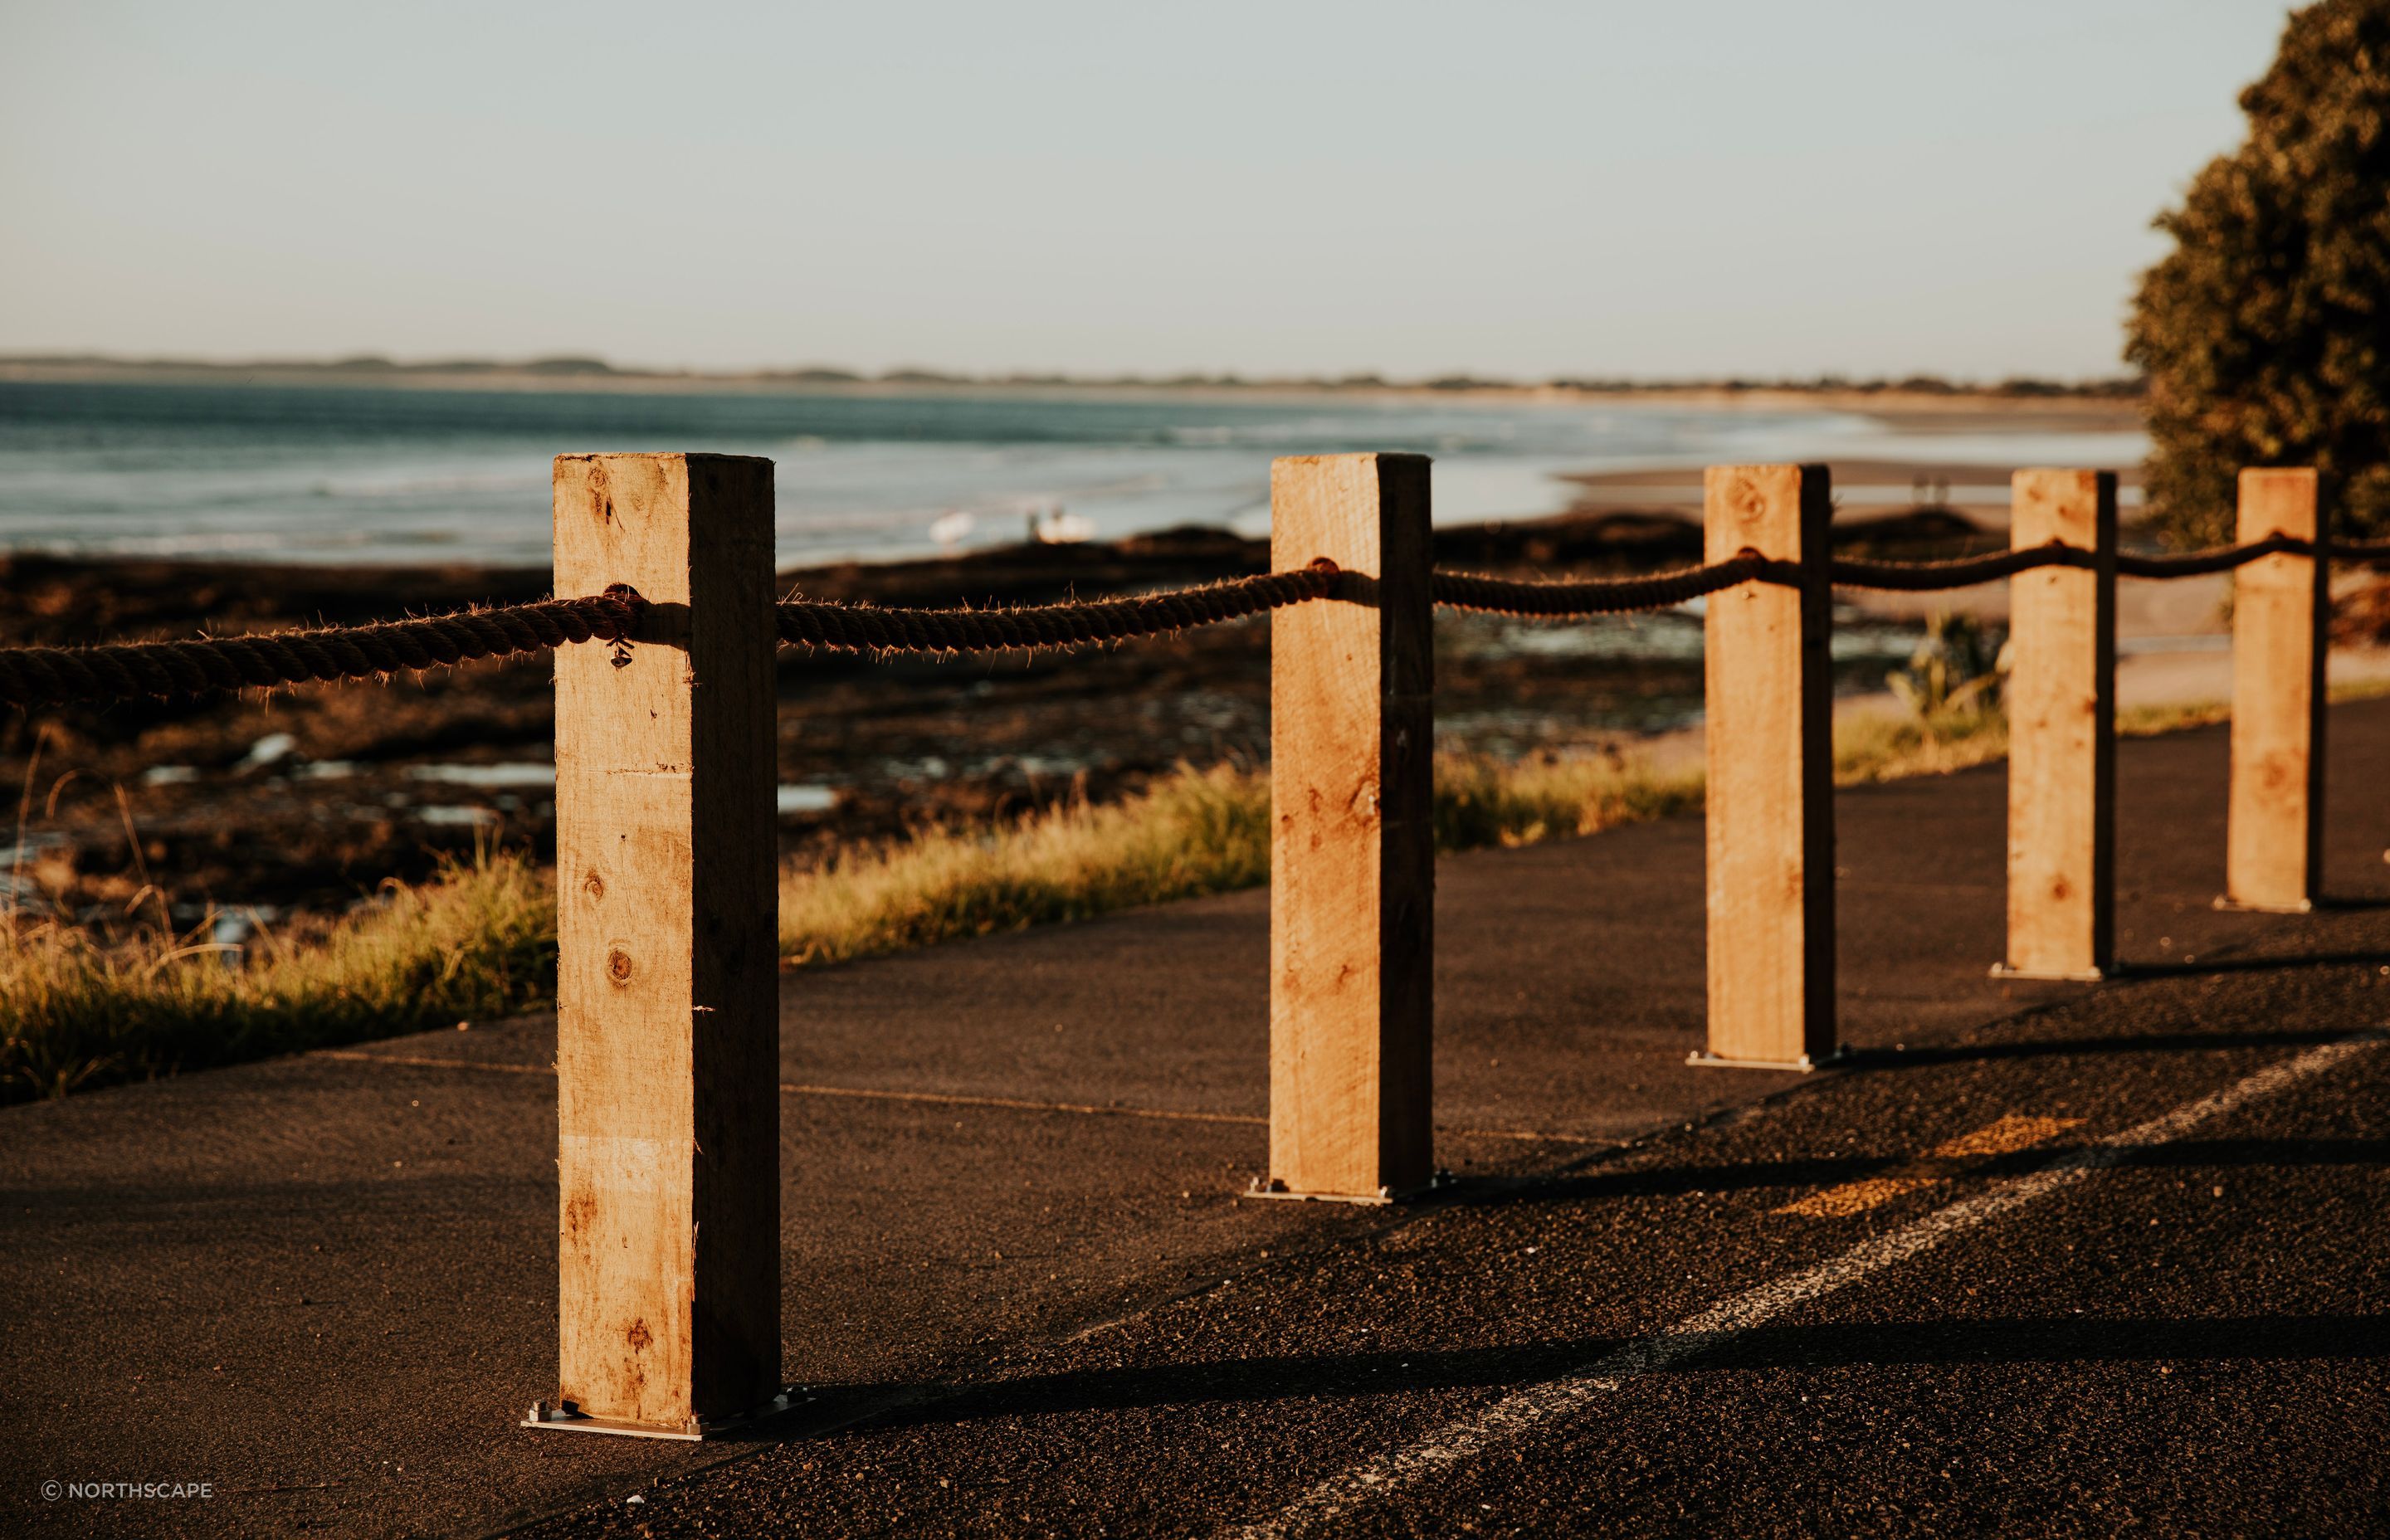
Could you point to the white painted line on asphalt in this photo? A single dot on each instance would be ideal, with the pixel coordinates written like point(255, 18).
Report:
point(1523, 1411)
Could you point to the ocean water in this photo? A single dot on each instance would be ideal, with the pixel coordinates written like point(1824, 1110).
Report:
point(363, 476)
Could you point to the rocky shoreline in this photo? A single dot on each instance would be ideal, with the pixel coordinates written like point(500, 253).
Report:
point(305, 799)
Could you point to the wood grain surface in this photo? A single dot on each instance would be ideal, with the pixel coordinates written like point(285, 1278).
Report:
point(667, 1039)
point(2062, 697)
point(2274, 837)
point(1770, 820)
point(1352, 843)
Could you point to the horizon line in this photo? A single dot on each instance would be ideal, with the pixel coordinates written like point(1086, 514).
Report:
point(562, 367)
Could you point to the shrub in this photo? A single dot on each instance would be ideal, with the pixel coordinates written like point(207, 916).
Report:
point(2265, 333)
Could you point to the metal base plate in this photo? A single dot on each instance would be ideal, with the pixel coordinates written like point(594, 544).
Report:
point(1264, 1188)
point(2227, 903)
point(562, 1419)
point(2002, 970)
point(1703, 1058)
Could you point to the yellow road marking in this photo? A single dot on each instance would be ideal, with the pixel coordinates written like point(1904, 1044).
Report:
point(1855, 1197)
point(1941, 1163)
point(2004, 1137)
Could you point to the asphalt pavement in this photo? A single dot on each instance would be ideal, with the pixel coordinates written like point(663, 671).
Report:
point(2190, 1341)
point(2044, 1260)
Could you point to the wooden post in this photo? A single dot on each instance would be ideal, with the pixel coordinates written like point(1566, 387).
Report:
point(667, 1009)
point(2274, 848)
point(2062, 701)
point(1352, 839)
point(1769, 744)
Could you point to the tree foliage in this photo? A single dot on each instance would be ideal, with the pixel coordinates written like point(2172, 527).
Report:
point(2265, 333)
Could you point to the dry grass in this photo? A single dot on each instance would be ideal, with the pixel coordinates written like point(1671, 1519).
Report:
point(1482, 802)
point(1199, 831)
point(1887, 746)
point(1207, 831)
point(79, 1008)
point(83, 1008)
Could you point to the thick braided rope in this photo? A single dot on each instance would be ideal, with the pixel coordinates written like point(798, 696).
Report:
point(2221, 559)
point(40, 675)
point(1606, 595)
point(869, 628)
point(1463, 591)
point(1920, 576)
point(43, 675)
point(1917, 577)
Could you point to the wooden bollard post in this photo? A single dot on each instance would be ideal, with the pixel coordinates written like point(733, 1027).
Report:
point(1769, 745)
point(2274, 844)
point(2061, 704)
point(667, 1009)
point(1352, 835)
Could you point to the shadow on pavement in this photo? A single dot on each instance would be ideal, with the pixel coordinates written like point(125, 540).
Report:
point(2037, 1340)
point(1908, 1058)
point(1679, 1181)
point(2126, 971)
point(2054, 1340)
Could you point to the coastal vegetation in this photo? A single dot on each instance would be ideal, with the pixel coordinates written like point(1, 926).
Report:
point(2265, 331)
point(83, 1006)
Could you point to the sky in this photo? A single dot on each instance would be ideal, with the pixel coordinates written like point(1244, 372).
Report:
point(1610, 189)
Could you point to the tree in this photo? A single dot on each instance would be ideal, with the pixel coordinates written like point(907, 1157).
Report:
point(2265, 334)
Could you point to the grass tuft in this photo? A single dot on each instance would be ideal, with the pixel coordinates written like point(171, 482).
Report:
point(1195, 832)
point(1886, 745)
point(1199, 831)
point(80, 1009)
point(1481, 802)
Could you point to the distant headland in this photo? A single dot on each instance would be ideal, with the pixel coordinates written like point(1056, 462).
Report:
point(575, 372)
